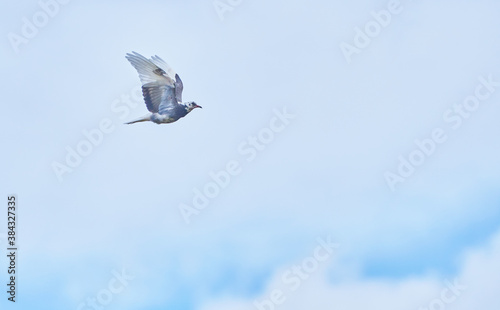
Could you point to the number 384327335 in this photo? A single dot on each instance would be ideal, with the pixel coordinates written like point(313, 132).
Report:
point(11, 220)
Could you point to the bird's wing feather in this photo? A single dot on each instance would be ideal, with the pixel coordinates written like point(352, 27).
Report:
point(160, 63)
point(158, 82)
point(149, 71)
point(159, 98)
point(171, 73)
point(178, 88)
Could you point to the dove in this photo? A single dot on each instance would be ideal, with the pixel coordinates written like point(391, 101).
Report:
point(162, 90)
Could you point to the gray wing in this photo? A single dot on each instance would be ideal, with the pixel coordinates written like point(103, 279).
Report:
point(158, 85)
point(159, 98)
point(178, 88)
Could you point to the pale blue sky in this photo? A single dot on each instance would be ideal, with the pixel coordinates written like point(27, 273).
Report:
point(322, 175)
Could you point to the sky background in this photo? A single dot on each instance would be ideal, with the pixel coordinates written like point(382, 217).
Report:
point(323, 177)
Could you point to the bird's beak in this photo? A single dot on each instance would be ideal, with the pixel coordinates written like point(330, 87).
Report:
point(197, 106)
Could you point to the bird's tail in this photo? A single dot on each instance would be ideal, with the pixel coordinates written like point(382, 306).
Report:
point(145, 118)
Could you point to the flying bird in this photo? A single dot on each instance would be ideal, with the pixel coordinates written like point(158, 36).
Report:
point(162, 90)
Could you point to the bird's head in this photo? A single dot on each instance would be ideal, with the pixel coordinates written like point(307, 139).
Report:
point(191, 106)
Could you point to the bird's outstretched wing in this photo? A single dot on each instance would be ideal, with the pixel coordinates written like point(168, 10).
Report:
point(178, 88)
point(171, 73)
point(159, 82)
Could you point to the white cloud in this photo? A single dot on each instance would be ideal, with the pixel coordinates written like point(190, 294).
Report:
point(476, 287)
